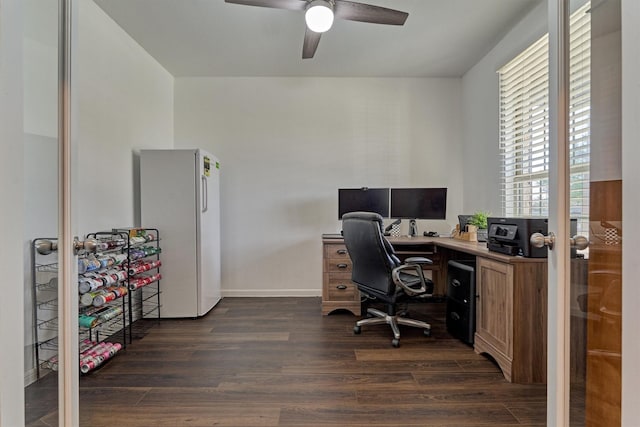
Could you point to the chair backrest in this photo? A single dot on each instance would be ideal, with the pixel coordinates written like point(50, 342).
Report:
point(371, 254)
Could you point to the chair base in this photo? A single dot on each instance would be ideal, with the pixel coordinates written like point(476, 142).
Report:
point(381, 317)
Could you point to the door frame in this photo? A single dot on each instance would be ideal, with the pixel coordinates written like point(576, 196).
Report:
point(558, 333)
point(68, 359)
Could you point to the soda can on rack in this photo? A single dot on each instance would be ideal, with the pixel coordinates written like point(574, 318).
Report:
point(83, 263)
point(106, 261)
point(100, 300)
point(136, 253)
point(111, 294)
point(142, 267)
point(92, 263)
point(121, 275)
point(87, 321)
point(88, 284)
point(87, 365)
point(87, 299)
point(119, 258)
point(109, 279)
point(137, 240)
point(110, 313)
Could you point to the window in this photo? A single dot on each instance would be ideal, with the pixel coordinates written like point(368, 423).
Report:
point(524, 126)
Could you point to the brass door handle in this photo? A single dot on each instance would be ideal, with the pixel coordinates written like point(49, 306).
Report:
point(539, 240)
point(579, 242)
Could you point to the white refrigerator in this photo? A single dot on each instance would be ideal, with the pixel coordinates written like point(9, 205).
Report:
point(180, 196)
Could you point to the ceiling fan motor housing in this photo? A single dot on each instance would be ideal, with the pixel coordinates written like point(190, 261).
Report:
point(319, 15)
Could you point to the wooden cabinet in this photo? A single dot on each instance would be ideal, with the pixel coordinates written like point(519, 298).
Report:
point(511, 323)
point(494, 318)
point(338, 292)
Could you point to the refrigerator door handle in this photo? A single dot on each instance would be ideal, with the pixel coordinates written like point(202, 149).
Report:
point(205, 194)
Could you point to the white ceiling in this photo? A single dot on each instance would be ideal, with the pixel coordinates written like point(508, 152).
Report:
point(441, 38)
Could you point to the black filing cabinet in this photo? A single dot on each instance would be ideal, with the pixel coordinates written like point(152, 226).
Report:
point(461, 300)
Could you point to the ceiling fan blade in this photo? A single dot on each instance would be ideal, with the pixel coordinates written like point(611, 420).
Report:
point(311, 40)
point(278, 4)
point(368, 13)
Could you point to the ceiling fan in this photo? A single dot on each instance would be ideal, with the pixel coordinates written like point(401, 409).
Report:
point(319, 16)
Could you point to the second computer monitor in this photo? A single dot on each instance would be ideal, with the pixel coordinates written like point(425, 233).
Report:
point(419, 203)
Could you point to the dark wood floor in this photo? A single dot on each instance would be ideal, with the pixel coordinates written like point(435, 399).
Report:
point(278, 362)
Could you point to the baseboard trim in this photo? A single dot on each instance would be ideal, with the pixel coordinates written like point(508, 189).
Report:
point(242, 293)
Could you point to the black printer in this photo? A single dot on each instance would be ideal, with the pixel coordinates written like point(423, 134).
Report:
point(511, 236)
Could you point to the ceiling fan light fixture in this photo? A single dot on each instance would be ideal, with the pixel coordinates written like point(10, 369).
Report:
point(319, 15)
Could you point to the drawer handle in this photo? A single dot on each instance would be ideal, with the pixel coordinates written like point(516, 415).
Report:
point(341, 251)
point(341, 287)
point(342, 266)
point(456, 282)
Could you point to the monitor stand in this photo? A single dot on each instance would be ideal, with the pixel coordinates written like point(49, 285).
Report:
point(413, 228)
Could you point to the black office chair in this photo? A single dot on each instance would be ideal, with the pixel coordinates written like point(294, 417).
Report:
point(379, 274)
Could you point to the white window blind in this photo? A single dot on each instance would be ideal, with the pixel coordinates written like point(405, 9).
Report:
point(524, 126)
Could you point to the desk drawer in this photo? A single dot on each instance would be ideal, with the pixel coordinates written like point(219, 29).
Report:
point(337, 266)
point(341, 289)
point(338, 292)
point(336, 251)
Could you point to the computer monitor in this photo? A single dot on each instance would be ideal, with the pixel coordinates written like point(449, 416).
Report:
point(363, 200)
point(419, 203)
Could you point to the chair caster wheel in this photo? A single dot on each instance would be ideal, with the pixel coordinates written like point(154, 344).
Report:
point(427, 332)
point(395, 342)
point(357, 330)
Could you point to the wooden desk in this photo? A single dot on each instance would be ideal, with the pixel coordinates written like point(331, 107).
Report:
point(511, 309)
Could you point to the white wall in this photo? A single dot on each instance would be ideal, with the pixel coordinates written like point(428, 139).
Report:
point(11, 212)
point(480, 102)
point(125, 103)
point(287, 144)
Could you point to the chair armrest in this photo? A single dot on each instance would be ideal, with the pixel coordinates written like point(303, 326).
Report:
point(395, 274)
point(418, 260)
